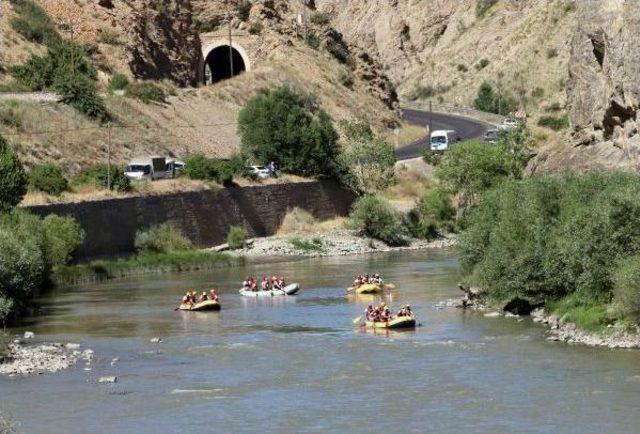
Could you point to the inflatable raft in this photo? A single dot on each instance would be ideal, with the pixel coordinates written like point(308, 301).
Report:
point(401, 322)
point(371, 288)
point(200, 307)
point(288, 290)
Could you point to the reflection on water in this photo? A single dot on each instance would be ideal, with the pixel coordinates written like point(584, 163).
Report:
point(299, 364)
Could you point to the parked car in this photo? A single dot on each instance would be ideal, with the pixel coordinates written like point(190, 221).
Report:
point(509, 124)
point(441, 140)
point(492, 136)
point(152, 168)
point(260, 172)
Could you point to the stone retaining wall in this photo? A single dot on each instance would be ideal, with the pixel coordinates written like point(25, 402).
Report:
point(204, 216)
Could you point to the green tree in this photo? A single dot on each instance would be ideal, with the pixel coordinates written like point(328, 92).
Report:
point(368, 160)
point(283, 126)
point(48, 178)
point(237, 238)
point(13, 178)
point(374, 217)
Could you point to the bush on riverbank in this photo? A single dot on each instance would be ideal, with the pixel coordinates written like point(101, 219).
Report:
point(552, 237)
point(201, 168)
point(237, 238)
point(143, 263)
point(13, 178)
point(98, 176)
point(374, 217)
point(163, 238)
point(626, 295)
point(433, 214)
point(29, 247)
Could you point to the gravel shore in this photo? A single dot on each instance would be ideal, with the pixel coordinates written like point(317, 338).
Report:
point(336, 243)
point(559, 330)
point(25, 359)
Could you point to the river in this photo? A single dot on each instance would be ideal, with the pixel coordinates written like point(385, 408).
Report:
point(298, 364)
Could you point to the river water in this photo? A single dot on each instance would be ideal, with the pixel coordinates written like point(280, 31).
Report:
point(298, 364)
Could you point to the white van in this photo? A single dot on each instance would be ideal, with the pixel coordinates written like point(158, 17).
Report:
point(153, 168)
point(441, 140)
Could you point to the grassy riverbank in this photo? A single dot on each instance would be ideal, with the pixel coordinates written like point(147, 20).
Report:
point(142, 263)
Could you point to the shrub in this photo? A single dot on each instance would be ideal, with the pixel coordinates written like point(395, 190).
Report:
point(406, 32)
point(255, 28)
point(367, 160)
point(48, 178)
point(626, 291)
point(483, 6)
point(346, 78)
point(237, 238)
point(320, 18)
point(118, 82)
point(243, 10)
point(110, 37)
point(147, 92)
point(32, 22)
point(22, 265)
point(63, 59)
point(551, 53)
point(540, 239)
point(473, 167)
point(538, 92)
point(555, 107)
point(13, 179)
point(314, 245)
point(483, 63)
point(201, 168)
point(67, 70)
point(162, 238)
point(63, 235)
point(210, 25)
point(462, 68)
point(312, 40)
point(336, 46)
point(432, 157)
point(6, 308)
point(374, 217)
point(434, 213)
point(554, 123)
point(488, 101)
point(98, 176)
point(81, 93)
point(289, 129)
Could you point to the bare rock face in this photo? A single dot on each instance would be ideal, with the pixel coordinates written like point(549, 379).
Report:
point(164, 41)
point(603, 88)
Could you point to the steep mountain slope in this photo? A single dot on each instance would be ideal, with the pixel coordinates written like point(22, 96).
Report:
point(447, 48)
point(162, 41)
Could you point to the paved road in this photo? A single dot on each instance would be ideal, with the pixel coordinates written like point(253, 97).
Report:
point(466, 128)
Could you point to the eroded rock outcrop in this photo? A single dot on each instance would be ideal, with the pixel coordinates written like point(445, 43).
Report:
point(164, 41)
point(603, 89)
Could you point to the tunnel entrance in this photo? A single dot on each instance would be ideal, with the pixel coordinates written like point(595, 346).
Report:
point(217, 65)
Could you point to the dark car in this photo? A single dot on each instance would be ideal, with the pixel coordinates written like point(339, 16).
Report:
point(492, 136)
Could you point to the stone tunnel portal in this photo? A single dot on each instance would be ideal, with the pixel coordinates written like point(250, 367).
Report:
point(218, 64)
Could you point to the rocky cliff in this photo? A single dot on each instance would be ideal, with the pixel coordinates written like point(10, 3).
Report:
point(603, 90)
point(162, 37)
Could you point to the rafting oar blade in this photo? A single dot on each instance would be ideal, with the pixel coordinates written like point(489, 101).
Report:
point(357, 320)
point(390, 286)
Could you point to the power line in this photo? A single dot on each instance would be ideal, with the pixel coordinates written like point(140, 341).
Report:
point(113, 126)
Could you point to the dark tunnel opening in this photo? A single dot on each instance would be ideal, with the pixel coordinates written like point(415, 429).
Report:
point(218, 65)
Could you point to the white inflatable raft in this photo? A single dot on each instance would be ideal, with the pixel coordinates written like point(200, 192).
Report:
point(288, 290)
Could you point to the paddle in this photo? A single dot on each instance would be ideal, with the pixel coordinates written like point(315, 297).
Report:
point(391, 286)
point(357, 320)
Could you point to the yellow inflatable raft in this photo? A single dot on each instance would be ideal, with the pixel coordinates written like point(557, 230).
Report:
point(201, 307)
point(401, 322)
point(371, 288)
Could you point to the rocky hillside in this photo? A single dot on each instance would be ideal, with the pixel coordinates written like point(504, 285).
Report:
point(447, 48)
point(162, 42)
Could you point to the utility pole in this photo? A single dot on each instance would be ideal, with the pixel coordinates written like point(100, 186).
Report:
point(430, 116)
point(109, 156)
point(230, 50)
